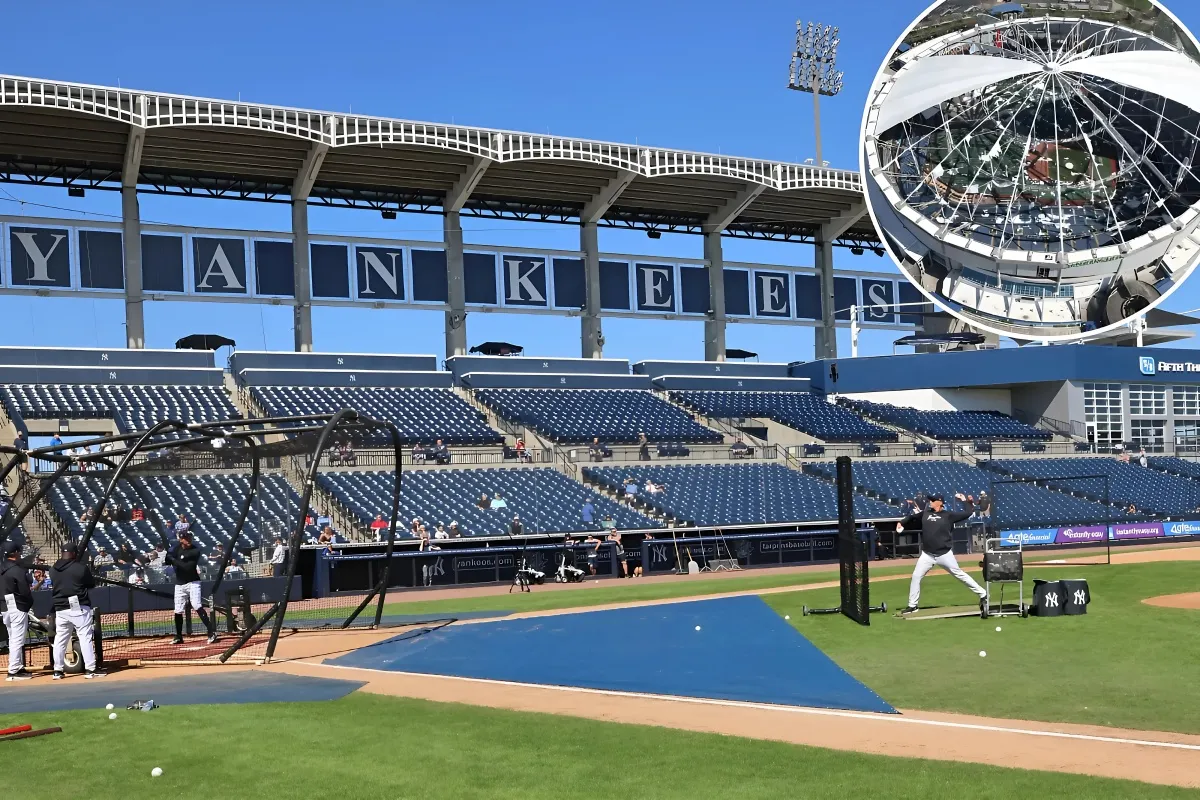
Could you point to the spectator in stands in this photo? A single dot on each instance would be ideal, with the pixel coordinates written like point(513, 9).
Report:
point(126, 559)
point(440, 531)
point(56, 440)
point(441, 453)
point(157, 557)
point(414, 527)
point(218, 442)
point(277, 558)
point(596, 450)
point(102, 559)
point(40, 580)
point(619, 550)
point(498, 501)
point(631, 488)
point(22, 444)
point(136, 514)
point(594, 553)
point(106, 515)
point(380, 526)
point(483, 502)
point(120, 513)
point(588, 514)
point(455, 531)
point(607, 523)
point(654, 488)
point(426, 544)
point(515, 528)
point(138, 576)
point(643, 447)
point(740, 449)
point(235, 571)
point(327, 535)
point(1132, 509)
point(182, 524)
point(85, 516)
point(344, 455)
point(522, 455)
point(1142, 460)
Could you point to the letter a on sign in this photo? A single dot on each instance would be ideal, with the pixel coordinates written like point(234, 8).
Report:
point(219, 266)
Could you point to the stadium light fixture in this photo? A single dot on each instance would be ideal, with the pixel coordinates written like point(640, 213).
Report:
point(387, 213)
point(814, 68)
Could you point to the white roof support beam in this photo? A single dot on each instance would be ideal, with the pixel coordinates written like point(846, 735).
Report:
point(461, 191)
point(608, 195)
point(306, 176)
point(133, 149)
point(843, 222)
point(721, 219)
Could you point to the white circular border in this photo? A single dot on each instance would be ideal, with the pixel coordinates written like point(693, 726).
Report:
point(939, 303)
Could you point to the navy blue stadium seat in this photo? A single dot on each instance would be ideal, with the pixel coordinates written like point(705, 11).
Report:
point(617, 416)
point(134, 408)
point(737, 494)
point(949, 425)
point(545, 499)
point(799, 410)
point(1020, 504)
point(1147, 489)
point(422, 415)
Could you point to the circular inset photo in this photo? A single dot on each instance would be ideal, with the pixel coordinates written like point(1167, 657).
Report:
point(1030, 166)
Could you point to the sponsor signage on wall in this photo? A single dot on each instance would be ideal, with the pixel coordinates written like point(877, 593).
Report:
point(65, 256)
point(1084, 534)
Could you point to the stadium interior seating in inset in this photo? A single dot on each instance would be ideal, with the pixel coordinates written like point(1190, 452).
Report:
point(950, 425)
point(135, 408)
point(731, 494)
point(616, 416)
point(545, 499)
point(804, 412)
point(422, 415)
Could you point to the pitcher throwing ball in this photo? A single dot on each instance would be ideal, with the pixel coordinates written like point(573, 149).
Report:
point(185, 558)
point(937, 541)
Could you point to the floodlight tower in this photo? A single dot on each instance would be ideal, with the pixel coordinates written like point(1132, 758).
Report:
point(813, 68)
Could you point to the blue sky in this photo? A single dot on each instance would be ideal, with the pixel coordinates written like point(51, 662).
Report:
point(700, 75)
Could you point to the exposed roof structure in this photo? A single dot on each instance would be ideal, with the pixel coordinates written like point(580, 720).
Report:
point(68, 134)
point(1024, 168)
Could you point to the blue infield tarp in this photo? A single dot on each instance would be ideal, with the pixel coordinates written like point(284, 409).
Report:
point(743, 651)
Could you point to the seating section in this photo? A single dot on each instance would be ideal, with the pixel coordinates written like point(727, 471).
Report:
point(422, 415)
point(1149, 490)
point(546, 500)
point(733, 494)
point(617, 416)
point(1175, 466)
point(949, 425)
point(1020, 505)
point(133, 407)
point(805, 412)
point(211, 502)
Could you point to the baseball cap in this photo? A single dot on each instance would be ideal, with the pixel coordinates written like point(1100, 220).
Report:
point(70, 548)
point(934, 497)
point(12, 546)
point(185, 535)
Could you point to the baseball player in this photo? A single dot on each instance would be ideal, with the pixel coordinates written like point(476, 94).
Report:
point(185, 558)
point(18, 600)
point(72, 578)
point(937, 540)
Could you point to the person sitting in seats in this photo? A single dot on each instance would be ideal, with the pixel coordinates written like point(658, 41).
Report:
point(596, 450)
point(515, 528)
point(418, 454)
point(380, 526)
point(456, 532)
point(441, 453)
point(344, 455)
point(440, 532)
point(498, 501)
point(631, 489)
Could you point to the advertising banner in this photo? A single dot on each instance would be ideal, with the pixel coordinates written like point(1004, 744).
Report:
point(1081, 534)
point(1187, 528)
point(1026, 538)
point(1138, 530)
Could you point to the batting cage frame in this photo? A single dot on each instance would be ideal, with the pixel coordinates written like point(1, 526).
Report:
point(308, 435)
point(1070, 531)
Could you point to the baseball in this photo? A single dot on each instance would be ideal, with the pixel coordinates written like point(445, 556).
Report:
point(112, 715)
point(983, 653)
point(108, 707)
point(997, 629)
point(697, 627)
point(787, 616)
point(154, 773)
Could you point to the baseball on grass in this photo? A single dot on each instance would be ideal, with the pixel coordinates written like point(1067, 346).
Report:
point(154, 773)
point(787, 616)
point(983, 653)
point(108, 707)
point(997, 629)
point(112, 715)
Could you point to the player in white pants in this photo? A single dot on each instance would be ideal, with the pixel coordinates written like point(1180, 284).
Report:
point(16, 598)
point(937, 540)
point(185, 559)
point(71, 579)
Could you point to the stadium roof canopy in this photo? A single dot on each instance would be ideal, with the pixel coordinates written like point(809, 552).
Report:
point(67, 134)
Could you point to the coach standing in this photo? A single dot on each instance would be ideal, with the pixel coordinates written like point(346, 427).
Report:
point(71, 579)
point(185, 558)
point(937, 541)
point(18, 600)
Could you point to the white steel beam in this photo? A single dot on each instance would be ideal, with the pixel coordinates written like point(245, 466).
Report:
point(604, 199)
point(720, 219)
point(843, 222)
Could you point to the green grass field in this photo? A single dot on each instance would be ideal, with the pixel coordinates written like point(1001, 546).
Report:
point(1124, 664)
point(380, 747)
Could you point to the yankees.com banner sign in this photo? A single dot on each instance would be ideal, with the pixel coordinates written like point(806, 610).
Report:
point(65, 256)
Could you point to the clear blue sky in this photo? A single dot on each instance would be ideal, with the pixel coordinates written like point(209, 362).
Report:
point(699, 75)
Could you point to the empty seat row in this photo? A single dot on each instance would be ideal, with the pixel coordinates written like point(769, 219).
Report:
point(949, 425)
point(799, 410)
point(1149, 490)
point(545, 500)
point(133, 407)
point(422, 415)
point(615, 416)
point(737, 494)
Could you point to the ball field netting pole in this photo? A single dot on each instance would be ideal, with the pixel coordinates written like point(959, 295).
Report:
point(1077, 509)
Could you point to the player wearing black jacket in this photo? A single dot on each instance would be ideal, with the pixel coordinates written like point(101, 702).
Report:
point(71, 579)
point(17, 600)
point(185, 558)
point(937, 542)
